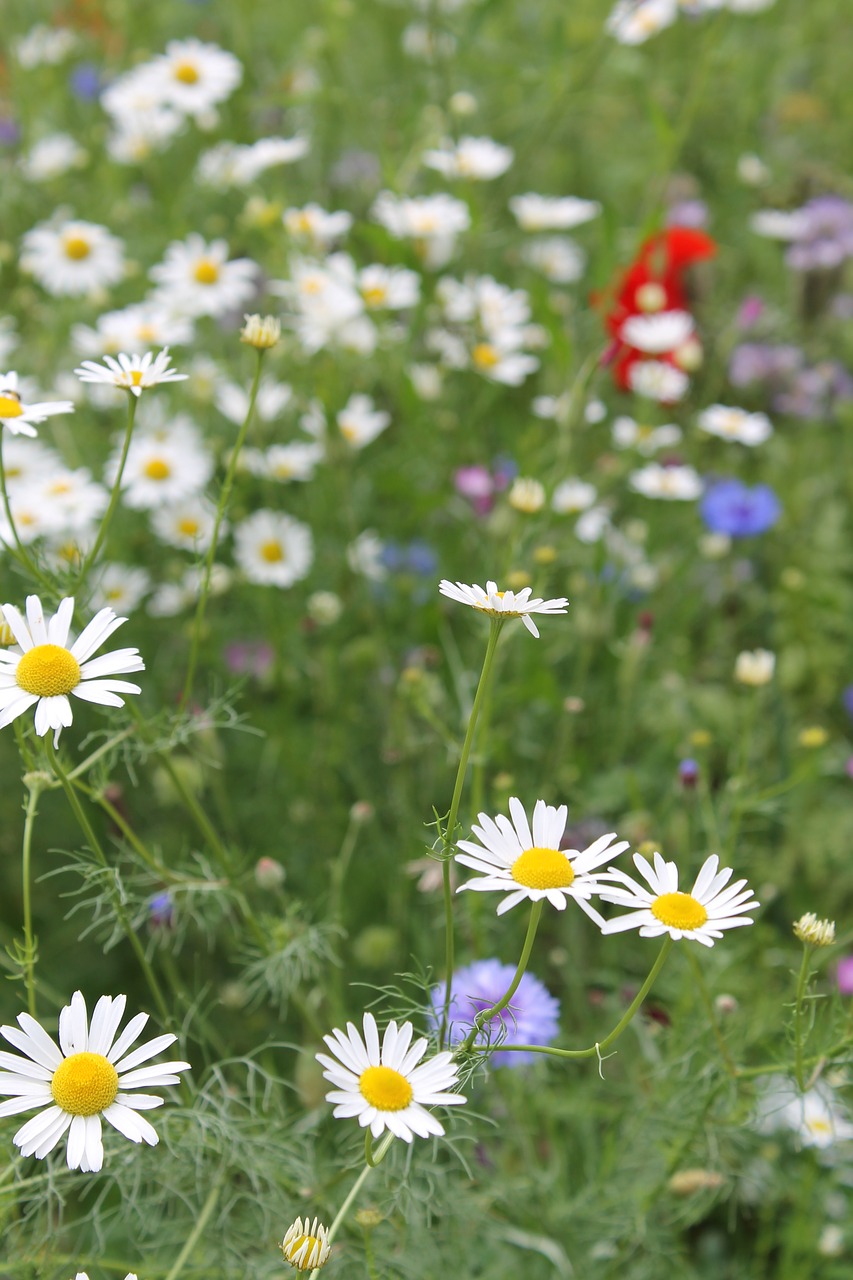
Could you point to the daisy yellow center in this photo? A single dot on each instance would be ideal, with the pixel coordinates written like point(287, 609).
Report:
point(48, 670)
point(188, 527)
point(543, 869)
point(484, 355)
point(679, 911)
point(187, 73)
point(146, 333)
point(302, 222)
point(292, 1251)
point(10, 405)
point(375, 295)
point(385, 1089)
point(272, 551)
point(157, 469)
point(136, 377)
point(84, 1084)
point(206, 272)
point(77, 248)
point(651, 297)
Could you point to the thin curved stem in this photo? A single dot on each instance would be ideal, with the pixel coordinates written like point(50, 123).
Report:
point(485, 1015)
point(221, 507)
point(19, 549)
point(114, 496)
point(799, 1043)
point(34, 790)
point(201, 1222)
point(376, 1158)
point(449, 832)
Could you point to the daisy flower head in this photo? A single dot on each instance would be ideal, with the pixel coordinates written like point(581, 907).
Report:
point(89, 1076)
point(133, 373)
point(528, 863)
point(72, 258)
point(701, 915)
point(502, 604)
point(384, 1087)
point(306, 1247)
point(273, 549)
point(19, 417)
point(196, 278)
point(193, 77)
point(45, 669)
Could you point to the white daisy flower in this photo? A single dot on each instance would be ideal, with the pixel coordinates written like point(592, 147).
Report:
point(192, 76)
point(730, 423)
point(273, 548)
point(296, 461)
point(701, 915)
point(572, 496)
point(72, 258)
point(658, 333)
point(527, 864)
point(306, 1248)
point(558, 258)
point(432, 222)
point(134, 373)
point(389, 288)
point(120, 586)
point(187, 523)
point(89, 1076)
point(552, 213)
point(163, 467)
point(141, 325)
point(502, 604)
point(315, 226)
point(360, 421)
point(477, 158)
point(816, 1117)
point(384, 1088)
point(635, 21)
point(197, 279)
point(19, 417)
point(780, 224)
point(271, 401)
point(657, 380)
point(629, 434)
point(45, 670)
point(52, 156)
point(673, 484)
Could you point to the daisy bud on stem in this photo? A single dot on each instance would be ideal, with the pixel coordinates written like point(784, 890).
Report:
point(261, 332)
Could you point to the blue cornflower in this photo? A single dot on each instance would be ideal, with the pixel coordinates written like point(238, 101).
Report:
point(731, 507)
point(86, 82)
point(532, 1016)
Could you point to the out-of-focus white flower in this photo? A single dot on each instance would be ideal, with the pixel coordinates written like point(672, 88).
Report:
point(230, 164)
point(558, 258)
point(779, 224)
point(18, 417)
point(134, 328)
point(731, 423)
point(192, 77)
point(571, 496)
point(657, 380)
point(752, 170)
point(197, 279)
point(477, 158)
point(132, 373)
point(52, 156)
point(657, 333)
point(163, 466)
point(628, 434)
point(315, 227)
point(635, 21)
point(360, 421)
point(273, 549)
point(552, 213)
point(755, 667)
point(72, 257)
point(431, 222)
point(815, 1117)
point(674, 484)
point(45, 46)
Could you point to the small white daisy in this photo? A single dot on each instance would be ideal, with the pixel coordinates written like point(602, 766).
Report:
point(530, 865)
point(701, 915)
point(73, 258)
point(163, 467)
point(306, 1247)
point(89, 1076)
point(120, 586)
point(19, 417)
point(673, 484)
point(384, 1088)
point(192, 77)
point(552, 213)
point(360, 422)
point(187, 523)
point(502, 604)
point(134, 373)
point(731, 423)
point(657, 380)
point(45, 670)
point(197, 278)
point(479, 159)
point(658, 333)
point(273, 549)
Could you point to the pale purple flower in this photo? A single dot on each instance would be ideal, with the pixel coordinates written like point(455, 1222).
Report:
point(532, 1016)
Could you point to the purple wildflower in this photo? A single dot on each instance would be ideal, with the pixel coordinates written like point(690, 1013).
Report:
point(844, 975)
point(827, 239)
point(532, 1016)
point(731, 507)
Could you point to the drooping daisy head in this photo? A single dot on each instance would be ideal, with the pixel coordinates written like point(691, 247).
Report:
point(701, 915)
point(526, 863)
point(384, 1087)
point(44, 669)
point(90, 1075)
point(502, 604)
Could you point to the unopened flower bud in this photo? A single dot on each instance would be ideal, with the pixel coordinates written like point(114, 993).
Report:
point(527, 495)
point(260, 332)
point(269, 874)
point(306, 1247)
point(813, 931)
point(688, 773)
point(324, 607)
point(755, 667)
point(362, 811)
point(687, 1182)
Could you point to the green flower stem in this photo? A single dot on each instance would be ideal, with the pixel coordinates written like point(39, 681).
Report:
point(485, 1015)
point(728, 1060)
point(222, 505)
point(799, 1042)
point(34, 784)
point(600, 1045)
point(98, 798)
point(85, 765)
point(200, 1225)
point(96, 847)
point(372, 1160)
point(114, 496)
point(339, 869)
point(449, 833)
point(19, 550)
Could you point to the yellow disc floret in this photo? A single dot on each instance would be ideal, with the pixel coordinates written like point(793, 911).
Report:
point(272, 551)
point(679, 911)
point(385, 1089)
point(10, 405)
point(157, 469)
point(206, 272)
point(543, 869)
point(84, 1084)
point(77, 248)
point(48, 670)
point(484, 356)
point(186, 73)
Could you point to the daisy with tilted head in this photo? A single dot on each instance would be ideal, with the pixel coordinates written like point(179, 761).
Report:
point(45, 669)
point(701, 915)
point(89, 1076)
point(72, 257)
point(132, 373)
point(384, 1087)
point(17, 417)
point(197, 278)
point(529, 864)
point(502, 604)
